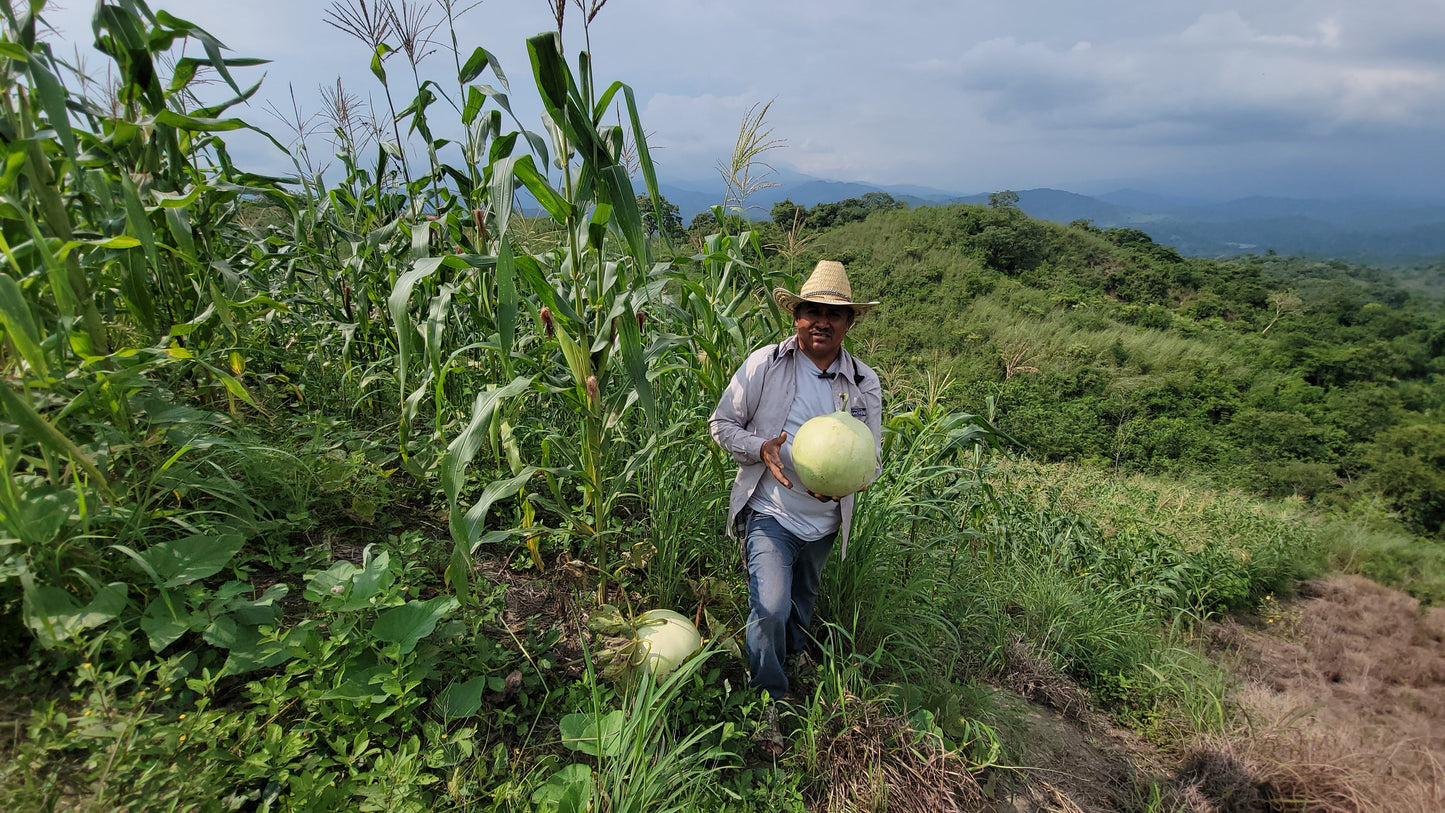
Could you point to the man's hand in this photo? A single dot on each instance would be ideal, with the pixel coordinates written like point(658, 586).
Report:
point(773, 458)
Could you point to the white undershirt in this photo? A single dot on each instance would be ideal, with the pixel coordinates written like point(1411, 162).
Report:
point(793, 508)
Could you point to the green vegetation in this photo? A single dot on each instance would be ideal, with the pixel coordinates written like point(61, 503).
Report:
point(318, 492)
point(1283, 376)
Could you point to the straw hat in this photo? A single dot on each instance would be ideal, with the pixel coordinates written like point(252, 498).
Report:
point(827, 285)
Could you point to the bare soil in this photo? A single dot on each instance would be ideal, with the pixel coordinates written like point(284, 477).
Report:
point(1341, 707)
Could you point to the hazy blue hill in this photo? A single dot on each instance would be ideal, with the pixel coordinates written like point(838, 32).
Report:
point(1301, 235)
point(1355, 213)
point(1360, 229)
point(812, 193)
point(689, 202)
point(1148, 201)
point(695, 197)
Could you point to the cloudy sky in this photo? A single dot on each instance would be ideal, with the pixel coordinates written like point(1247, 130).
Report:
point(1221, 98)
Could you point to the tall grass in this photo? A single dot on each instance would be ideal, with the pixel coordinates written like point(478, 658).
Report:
point(1386, 554)
point(1059, 340)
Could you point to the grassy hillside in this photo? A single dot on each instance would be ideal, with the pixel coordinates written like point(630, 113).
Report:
point(1290, 377)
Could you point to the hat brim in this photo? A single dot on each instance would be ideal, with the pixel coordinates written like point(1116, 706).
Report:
point(788, 300)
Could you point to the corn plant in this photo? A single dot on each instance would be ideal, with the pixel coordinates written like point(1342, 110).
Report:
point(115, 278)
point(586, 292)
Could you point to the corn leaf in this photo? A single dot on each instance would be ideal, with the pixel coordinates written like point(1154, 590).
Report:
point(19, 325)
point(18, 407)
point(52, 99)
point(398, 304)
point(453, 466)
point(630, 342)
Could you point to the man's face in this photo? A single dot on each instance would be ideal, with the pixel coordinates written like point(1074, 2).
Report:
point(821, 329)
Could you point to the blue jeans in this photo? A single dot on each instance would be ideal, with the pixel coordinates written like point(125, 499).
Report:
point(784, 574)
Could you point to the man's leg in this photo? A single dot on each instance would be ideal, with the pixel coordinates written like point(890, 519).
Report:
point(807, 582)
point(770, 550)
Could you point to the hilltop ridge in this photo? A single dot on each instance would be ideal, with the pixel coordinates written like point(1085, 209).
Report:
point(1363, 229)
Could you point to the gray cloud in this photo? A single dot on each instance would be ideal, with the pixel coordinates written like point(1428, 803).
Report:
point(967, 97)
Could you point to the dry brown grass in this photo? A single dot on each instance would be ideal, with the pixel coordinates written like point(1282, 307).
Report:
point(1033, 677)
point(1343, 707)
point(875, 761)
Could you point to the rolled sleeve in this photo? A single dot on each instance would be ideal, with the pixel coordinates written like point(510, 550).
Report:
point(730, 424)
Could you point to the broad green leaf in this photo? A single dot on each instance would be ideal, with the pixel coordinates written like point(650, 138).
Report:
point(626, 217)
point(550, 71)
point(55, 616)
point(644, 157)
point(232, 384)
point(475, 518)
point(55, 271)
point(475, 65)
point(382, 49)
point(475, 100)
point(531, 272)
point(164, 622)
point(453, 466)
point(138, 222)
point(261, 611)
point(15, 155)
point(186, 68)
point(359, 684)
point(52, 99)
point(630, 342)
point(578, 360)
point(199, 124)
point(179, 224)
point(250, 650)
point(398, 304)
point(192, 558)
point(223, 631)
point(539, 144)
point(592, 735)
point(119, 241)
point(37, 513)
point(176, 200)
point(344, 587)
point(569, 790)
point(597, 225)
point(506, 301)
point(461, 699)
point(555, 205)
point(404, 626)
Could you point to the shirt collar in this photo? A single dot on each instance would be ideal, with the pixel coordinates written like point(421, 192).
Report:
point(841, 365)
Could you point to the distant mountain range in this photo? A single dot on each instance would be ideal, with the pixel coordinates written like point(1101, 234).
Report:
point(1356, 229)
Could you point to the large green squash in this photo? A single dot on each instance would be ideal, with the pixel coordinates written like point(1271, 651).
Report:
point(835, 454)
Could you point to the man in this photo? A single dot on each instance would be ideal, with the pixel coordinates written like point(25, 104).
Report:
point(786, 532)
